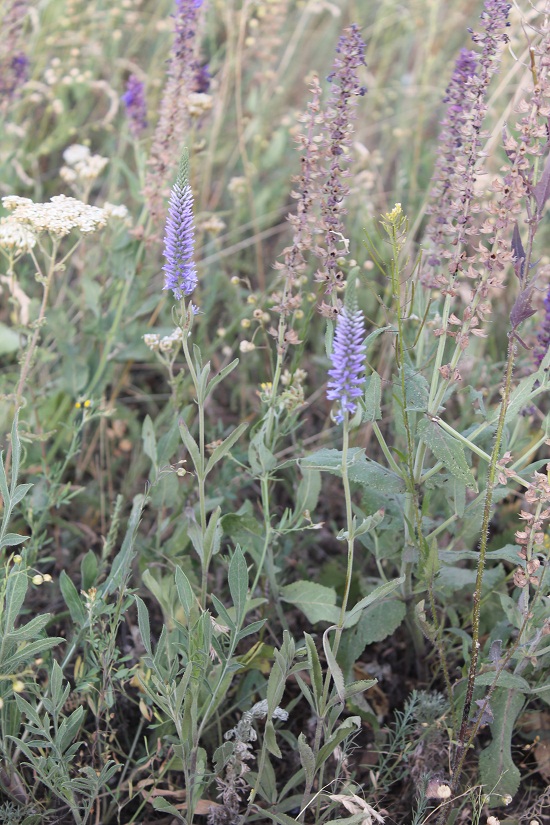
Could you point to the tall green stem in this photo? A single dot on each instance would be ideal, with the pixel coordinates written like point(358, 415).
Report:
point(491, 479)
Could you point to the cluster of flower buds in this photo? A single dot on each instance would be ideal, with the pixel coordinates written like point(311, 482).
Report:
point(532, 539)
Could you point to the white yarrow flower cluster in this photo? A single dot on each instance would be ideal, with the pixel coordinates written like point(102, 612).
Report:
point(15, 236)
point(82, 167)
point(118, 211)
point(165, 344)
point(58, 217)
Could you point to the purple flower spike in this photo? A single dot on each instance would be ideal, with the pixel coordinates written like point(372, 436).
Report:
point(543, 338)
point(136, 106)
point(179, 237)
point(348, 361)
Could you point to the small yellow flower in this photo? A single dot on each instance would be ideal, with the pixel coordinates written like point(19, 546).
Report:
point(38, 579)
point(395, 214)
point(245, 323)
point(18, 686)
point(17, 559)
point(47, 577)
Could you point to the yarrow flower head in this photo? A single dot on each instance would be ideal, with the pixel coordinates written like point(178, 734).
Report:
point(348, 358)
point(58, 217)
point(136, 106)
point(179, 237)
point(15, 236)
point(82, 169)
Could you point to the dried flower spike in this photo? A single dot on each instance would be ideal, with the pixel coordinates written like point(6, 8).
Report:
point(339, 118)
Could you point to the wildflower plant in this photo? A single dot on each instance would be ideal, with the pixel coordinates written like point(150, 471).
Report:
point(226, 583)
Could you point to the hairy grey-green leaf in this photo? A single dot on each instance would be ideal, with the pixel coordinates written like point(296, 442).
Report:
point(360, 469)
point(447, 450)
point(499, 774)
point(316, 601)
point(373, 398)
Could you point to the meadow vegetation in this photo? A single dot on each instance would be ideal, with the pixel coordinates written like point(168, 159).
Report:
point(275, 332)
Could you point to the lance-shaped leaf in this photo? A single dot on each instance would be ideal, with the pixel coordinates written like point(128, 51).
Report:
point(519, 253)
point(522, 308)
point(542, 190)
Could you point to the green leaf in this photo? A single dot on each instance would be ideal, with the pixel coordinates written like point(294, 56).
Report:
point(308, 492)
point(202, 378)
point(223, 448)
point(121, 564)
point(143, 624)
point(360, 469)
point(261, 459)
point(316, 673)
point(56, 683)
point(334, 667)
point(16, 591)
point(185, 594)
point(19, 493)
point(348, 726)
point(447, 450)
point(159, 803)
point(505, 680)
point(190, 444)
point(238, 583)
point(68, 729)
point(417, 390)
point(499, 774)
point(373, 398)
point(88, 570)
point(372, 336)
point(30, 712)
point(222, 612)
point(213, 534)
point(28, 652)
point(375, 595)
point(15, 454)
point(377, 622)
point(360, 686)
point(72, 600)
point(223, 373)
point(316, 601)
point(12, 540)
point(271, 739)
point(149, 440)
point(30, 630)
point(307, 758)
